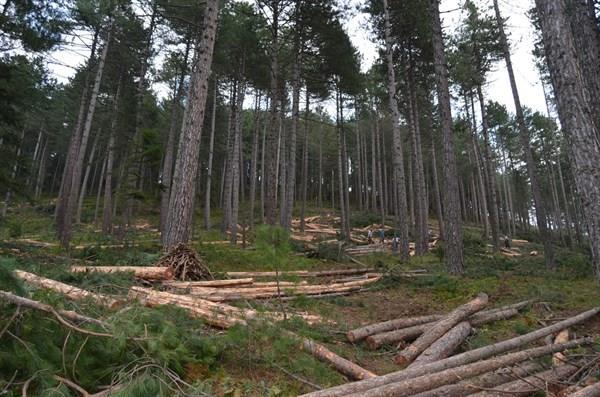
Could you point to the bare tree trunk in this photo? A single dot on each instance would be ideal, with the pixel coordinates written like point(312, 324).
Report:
point(167, 168)
point(99, 189)
point(575, 114)
point(254, 165)
point(341, 169)
point(262, 174)
point(86, 176)
point(436, 188)
point(235, 164)
point(321, 177)
point(305, 163)
point(181, 201)
point(107, 212)
point(70, 180)
point(540, 209)
point(491, 174)
point(211, 146)
point(422, 233)
point(39, 184)
point(13, 174)
point(453, 237)
point(271, 149)
point(380, 168)
point(568, 220)
point(374, 187)
point(398, 157)
point(346, 190)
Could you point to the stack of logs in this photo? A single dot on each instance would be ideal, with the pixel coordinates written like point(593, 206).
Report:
point(431, 370)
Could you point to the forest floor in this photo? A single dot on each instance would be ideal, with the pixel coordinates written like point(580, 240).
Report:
point(253, 360)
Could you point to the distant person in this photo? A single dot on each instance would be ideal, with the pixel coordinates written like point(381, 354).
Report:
point(370, 236)
point(506, 242)
point(381, 236)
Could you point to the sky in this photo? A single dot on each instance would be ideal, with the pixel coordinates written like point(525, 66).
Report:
point(498, 87)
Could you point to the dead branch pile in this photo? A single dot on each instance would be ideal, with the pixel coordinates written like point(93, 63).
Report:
point(186, 264)
point(491, 370)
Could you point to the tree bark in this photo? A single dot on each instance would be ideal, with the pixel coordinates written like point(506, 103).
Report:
point(361, 333)
point(86, 176)
point(575, 114)
point(398, 157)
point(440, 328)
point(181, 212)
point(254, 160)
point(305, 165)
point(453, 237)
point(145, 272)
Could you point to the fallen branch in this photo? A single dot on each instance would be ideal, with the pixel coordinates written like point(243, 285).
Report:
point(530, 384)
point(440, 328)
point(457, 360)
point(69, 291)
point(430, 381)
point(444, 346)
point(302, 273)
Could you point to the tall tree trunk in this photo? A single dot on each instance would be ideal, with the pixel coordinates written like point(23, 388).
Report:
point(64, 206)
point(236, 162)
point(272, 136)
point(211, 146)
point(107, 213)
point(436, 187)
point(181, 209)
point(86, 176)
point(398, 157)
point(99, 189)
point(422, 233)
point(380, 177)
point(254, 165)
point(575, 114)
point(491, 173)
point(374, 186)
point(305, 163)
point(39, 184)
point(453, 237)
point(563, 191)
point(341, 169)
point(167, 168)
point(262, 173)
point(321, 177)
point(13, 174)
point(346, 190)
point(229, 158)
point(540, 209)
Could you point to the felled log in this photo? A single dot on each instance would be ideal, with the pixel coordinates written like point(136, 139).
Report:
point(444, 346)
point(426, 382)
point(531, 384)
point(562, 337)
point(217, 314)
point(145, 272)
point(302, 273)
point(470, 356)
point(440, 328)
point(32, 304)
point(590, 391)
point(346, 367)
point(210, 283)
point(361, 333)
point(404, 322)
point(213, 315)
point(485, 381)
point(69, 291)
point(410, 333)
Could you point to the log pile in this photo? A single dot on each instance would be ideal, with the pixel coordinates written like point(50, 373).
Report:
point(185, 264)
point(274, 289)
point(500, 369)
point(144, 272)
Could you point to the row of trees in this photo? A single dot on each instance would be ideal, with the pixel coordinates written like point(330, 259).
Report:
point(267, 112)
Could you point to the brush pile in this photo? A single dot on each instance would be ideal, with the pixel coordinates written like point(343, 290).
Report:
point(185, 264)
